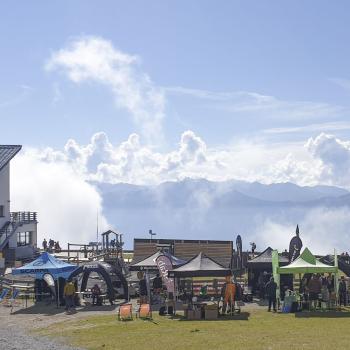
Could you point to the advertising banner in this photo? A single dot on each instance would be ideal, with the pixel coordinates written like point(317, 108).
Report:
point(164, 265)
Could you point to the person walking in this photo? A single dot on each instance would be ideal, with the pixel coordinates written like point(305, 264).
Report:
point(270, 289)
point(342, 291)
point(69, 293)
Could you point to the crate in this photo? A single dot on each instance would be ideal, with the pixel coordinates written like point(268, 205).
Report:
point(194, 314)
point(211, 314)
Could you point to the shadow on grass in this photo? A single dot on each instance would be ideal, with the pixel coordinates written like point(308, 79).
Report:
point(50, 310)
point(243, 316)
point(323, 314)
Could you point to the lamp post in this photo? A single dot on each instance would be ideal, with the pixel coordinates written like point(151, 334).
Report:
point(151, 233)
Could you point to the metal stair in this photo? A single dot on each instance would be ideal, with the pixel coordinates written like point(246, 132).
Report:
point(7, 231)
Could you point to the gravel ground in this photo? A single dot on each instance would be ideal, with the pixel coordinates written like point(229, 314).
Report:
point(16, 329)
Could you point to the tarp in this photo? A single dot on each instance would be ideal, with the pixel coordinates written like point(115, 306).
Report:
point(46, 263)
point(149, 263)
point(306, 263)
point(200, 266)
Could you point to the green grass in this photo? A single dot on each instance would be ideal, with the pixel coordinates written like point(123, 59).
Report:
point(261, 331)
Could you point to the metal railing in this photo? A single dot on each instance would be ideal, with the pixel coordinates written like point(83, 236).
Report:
point(23, 216)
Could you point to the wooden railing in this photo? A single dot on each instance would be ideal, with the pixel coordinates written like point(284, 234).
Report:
point(23, 216)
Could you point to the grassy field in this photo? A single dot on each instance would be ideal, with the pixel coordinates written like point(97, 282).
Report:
point(261, 330)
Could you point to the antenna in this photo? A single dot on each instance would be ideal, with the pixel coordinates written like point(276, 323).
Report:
point(97, 230)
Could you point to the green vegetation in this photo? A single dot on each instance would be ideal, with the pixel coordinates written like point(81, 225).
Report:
point(262, 330)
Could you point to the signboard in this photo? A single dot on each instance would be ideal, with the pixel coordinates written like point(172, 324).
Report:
point(164, 265)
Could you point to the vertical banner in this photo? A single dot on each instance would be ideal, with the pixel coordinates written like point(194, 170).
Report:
point(336, 284)
point(164, 265)
point(239, 252)
point(276, 276)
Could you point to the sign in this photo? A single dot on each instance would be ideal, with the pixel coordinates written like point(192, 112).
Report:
point(164, 265)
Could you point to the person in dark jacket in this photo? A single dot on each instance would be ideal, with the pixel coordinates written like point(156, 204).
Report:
point(342, 291)
point(270, 289)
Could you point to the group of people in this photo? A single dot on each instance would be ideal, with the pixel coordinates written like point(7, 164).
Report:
point(69, 294)
point(51, 246)
point(320, 288)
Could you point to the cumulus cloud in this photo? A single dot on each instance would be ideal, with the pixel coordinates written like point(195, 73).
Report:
point(335, 157)
point(96, 59)
point(321, 160)
point(321, 230)
point(67, 205)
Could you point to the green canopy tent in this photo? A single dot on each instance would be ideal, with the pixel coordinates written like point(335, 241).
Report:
point(306, 263)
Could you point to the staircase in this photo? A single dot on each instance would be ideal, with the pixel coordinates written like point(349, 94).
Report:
point(7, 231)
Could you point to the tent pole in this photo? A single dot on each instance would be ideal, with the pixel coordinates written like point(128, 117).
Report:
point(58, 293)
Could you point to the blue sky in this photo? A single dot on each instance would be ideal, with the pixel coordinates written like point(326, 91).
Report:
point(144, 92)
point(294, 51)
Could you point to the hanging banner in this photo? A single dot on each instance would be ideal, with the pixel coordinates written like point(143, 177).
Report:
point(295, 246)
point(164, 265)
point(239, 252)
point(275, 274)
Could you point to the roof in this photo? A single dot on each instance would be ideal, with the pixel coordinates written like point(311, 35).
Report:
point(266, 258)
point(306, 263)
point(7, 152)
point(45, 263)
point(200, 265)
point(150, 262)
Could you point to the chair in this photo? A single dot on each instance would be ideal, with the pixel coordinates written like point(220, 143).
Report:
point(145, 311)
point(125, 312)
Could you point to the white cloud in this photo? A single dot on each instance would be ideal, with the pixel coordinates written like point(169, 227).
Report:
point(96, 59)
point(335, 156)
point(310, 128)
point(263, 106)
point(133, 162)
point(321, 230)
point(67, 205)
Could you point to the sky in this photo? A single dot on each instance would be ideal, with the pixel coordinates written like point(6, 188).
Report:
point(151, 91)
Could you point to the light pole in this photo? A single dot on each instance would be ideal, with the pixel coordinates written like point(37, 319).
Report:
point(151, 233)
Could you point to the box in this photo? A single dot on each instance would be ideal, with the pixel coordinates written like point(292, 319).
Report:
point(194, 314)
point(211, 314)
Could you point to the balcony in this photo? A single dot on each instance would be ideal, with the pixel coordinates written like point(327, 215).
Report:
point(23, 217)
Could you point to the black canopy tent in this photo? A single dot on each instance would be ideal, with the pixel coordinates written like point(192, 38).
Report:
point(149, 263)
point(200, 266)
point(261, 266)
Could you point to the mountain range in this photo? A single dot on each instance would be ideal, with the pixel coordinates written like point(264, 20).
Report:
point(202, 209)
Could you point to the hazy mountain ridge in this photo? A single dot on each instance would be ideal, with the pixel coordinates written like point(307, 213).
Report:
point(200, 209)
point(222, 194)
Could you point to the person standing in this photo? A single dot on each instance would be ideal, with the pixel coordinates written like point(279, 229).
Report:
point(314, 287)
point(96, 292)
point(342, 291)
point(270, 289)
point(45, 244)
point(69, 293)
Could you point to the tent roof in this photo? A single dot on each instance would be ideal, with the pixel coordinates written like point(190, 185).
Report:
point(266, 258)
point(150, 262)
point(306, 263)
point(45, 263)
point(200, 265)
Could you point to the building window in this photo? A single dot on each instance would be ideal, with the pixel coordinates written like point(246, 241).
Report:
point(2, 214)
point(24, 238)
